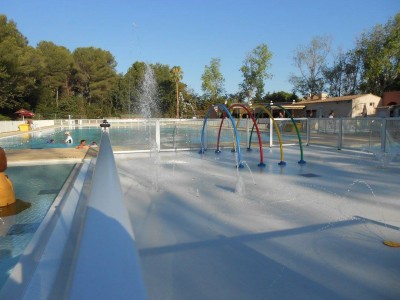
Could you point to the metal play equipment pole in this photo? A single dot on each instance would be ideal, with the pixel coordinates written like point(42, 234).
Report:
point(282, 162)
point(235, 105)
point(301, 161)
point(203, 147)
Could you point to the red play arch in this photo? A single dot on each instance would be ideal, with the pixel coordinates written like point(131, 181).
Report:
point(235, 105)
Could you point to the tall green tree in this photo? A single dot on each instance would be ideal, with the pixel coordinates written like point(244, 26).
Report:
point(344, 76)
point(213, 81)
point(119, 97)
point(380, 53)
point(310, 61)
point(177, 76)
point(134, 78)
point(255, 71)
point(166, 86)
point(58, 63)
point(20, 68)
point(280, 96)
point(97, 74)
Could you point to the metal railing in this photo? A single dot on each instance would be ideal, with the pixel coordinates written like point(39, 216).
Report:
point(107, 264)
point(363, 134)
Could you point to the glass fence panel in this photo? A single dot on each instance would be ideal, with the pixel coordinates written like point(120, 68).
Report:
point(362, 134)
point(365, 134)
point(285, 127)
point(392, 142)
point(138, 135)
point(180, 134)
point(251, 140)
point(227, 136)
point(289, 134)
point(324, 132)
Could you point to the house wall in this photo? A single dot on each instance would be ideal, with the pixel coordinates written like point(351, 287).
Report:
point(342, 109)
point(391, 98)
point(371, 102)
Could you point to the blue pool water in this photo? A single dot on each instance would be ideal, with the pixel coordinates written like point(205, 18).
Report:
point(136, 137)
point(40, 139)
point(39, 186)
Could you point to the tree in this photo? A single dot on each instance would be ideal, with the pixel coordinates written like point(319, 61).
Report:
point(213, 80)
point(133, 81)
point(58, 63)
point(97, 76)
point(343, 78)
point(28, 76)
point(280, 97)
point(166, 85)
point(254, 72)
point(20, 68)
point(380, 53)
point(311, 61)
point(177, 76)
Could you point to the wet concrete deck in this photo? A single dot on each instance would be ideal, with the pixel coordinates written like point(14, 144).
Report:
point(18, 157)
point(207, 231)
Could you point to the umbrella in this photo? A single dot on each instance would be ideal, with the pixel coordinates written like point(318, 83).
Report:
point(25, 113)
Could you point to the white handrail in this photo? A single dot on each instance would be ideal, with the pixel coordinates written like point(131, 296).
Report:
point(107, 265)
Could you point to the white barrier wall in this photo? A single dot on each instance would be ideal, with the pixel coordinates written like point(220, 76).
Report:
point(8, 126)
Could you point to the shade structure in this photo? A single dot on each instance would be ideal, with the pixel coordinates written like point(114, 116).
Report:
point(25, 113)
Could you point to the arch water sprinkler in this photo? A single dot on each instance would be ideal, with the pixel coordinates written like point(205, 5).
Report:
point(301, 161)
point(236, 105)
point(282, 162)
point(203, 146)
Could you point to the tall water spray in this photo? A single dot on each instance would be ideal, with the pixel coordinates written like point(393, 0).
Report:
point(148, 100)
point(185, 104)
point(148, 104)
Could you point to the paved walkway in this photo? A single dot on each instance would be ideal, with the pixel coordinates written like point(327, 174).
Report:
point(207, 231)
point(18, 157)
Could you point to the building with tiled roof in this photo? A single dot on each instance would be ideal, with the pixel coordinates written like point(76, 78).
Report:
point(390, 106)
point(343, 107)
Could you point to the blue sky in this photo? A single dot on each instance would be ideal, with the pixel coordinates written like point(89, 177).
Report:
point(188, 33)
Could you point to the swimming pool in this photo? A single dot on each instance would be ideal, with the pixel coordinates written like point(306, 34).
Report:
point(37, 186)
point(140, 136)
point(257, 233)
point(41, 139)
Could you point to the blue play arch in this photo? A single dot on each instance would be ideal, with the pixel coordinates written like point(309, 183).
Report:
point(225, 109)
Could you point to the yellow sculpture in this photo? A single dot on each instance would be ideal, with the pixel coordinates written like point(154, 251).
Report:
point(7, 195)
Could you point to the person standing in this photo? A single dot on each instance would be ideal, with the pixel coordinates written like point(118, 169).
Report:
point(69, 139)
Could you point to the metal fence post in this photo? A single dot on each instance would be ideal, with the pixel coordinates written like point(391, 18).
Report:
point(271, 132)
point(158, 136)
point(383, 135)
point(247, 134)
point(340, 137)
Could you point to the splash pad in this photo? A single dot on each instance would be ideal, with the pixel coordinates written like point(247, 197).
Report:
point(275, 233)
point(236, 140)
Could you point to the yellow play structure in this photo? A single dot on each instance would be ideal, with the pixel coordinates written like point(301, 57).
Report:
point(7, 195)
